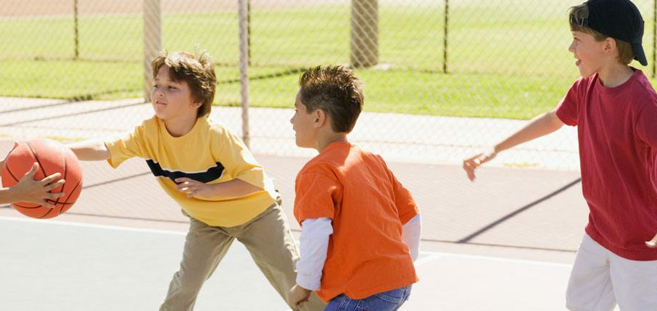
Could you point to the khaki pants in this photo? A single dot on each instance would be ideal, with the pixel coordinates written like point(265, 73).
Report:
point(267, 237)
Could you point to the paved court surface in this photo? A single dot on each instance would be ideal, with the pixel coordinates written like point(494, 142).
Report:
point(529, 214)
point(504, 242)
point(56, 266)
point(50, 265)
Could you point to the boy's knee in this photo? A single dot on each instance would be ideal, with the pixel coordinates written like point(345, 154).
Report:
point(188, 282)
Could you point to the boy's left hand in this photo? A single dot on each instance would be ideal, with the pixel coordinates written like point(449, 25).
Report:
point(193, 188)
point(472, 163)
point(652, 243)
point(298, 295)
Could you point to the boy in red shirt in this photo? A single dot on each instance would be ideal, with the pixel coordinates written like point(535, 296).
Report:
point(614, 108)
point(360, 226)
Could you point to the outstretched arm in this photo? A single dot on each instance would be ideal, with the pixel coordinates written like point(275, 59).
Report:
point(90, 150)
point(539, 126)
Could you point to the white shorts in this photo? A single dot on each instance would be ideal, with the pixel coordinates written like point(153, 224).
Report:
point(600, 279)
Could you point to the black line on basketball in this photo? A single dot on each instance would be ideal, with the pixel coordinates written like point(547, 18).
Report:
point(36, 157)
point(64, 176)
point(46, 214)
point(12, 174)
point(26, 207)
point(63, 203)
point(69, 196)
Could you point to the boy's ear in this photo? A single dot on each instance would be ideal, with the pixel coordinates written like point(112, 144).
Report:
point(609, 45)
point(320, 118)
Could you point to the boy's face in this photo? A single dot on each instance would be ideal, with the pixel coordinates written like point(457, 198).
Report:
point(588, 52)
point(172, 99)
point(304, 124)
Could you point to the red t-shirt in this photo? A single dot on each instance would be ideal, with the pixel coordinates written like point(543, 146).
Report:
point(367, 205)
point(617, 133)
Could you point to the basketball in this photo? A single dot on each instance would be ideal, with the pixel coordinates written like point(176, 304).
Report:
point(52, 158)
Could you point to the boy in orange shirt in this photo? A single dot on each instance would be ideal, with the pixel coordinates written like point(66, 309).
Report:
point(360, 226)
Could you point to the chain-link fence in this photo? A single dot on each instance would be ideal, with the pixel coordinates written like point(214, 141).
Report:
point(442, 78)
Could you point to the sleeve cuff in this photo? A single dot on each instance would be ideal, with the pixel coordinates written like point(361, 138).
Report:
point(111, 148)
point(411, 235)
point(311, 282)
point(254, 177)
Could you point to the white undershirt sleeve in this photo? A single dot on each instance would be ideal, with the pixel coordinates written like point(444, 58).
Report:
point(411, 235)
point(314, 240)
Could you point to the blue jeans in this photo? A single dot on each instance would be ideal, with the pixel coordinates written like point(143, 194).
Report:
point(386, 301)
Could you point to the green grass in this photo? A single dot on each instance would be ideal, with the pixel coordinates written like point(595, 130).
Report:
point(506, 59)
point(415, 92)
point(67, 79)
point(427, 94)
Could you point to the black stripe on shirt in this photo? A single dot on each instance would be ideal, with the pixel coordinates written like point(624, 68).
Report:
point(211, 174)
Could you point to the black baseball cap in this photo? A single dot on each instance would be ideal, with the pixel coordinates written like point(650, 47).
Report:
point(619, 19)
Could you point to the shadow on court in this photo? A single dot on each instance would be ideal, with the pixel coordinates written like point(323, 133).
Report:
point(118, 246)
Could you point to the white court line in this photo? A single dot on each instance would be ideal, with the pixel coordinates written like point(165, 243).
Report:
point(498, 259)
point(85, 225)
point(430, 256)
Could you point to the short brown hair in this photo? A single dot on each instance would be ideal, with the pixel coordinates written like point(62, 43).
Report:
point(578, 14)
point(337, 91)
point(196, 70)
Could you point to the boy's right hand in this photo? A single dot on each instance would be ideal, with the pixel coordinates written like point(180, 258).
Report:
point(472, 163)
point(36, 191)
point(298, 296)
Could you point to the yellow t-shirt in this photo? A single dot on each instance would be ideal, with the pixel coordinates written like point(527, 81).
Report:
point(209, 153)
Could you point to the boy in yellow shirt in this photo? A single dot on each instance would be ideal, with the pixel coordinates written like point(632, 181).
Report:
point(212, 175)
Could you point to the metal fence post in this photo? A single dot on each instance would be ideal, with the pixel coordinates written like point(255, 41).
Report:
point(75, 26)
point(364, 33)
point(445, 35)
point(243, 11)
point(152, 41)
point(248, 25)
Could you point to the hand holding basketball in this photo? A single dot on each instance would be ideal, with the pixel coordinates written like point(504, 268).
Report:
point(38, 185)
point(37, 191)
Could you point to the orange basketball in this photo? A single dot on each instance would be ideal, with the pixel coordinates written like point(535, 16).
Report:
point(52, 157)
